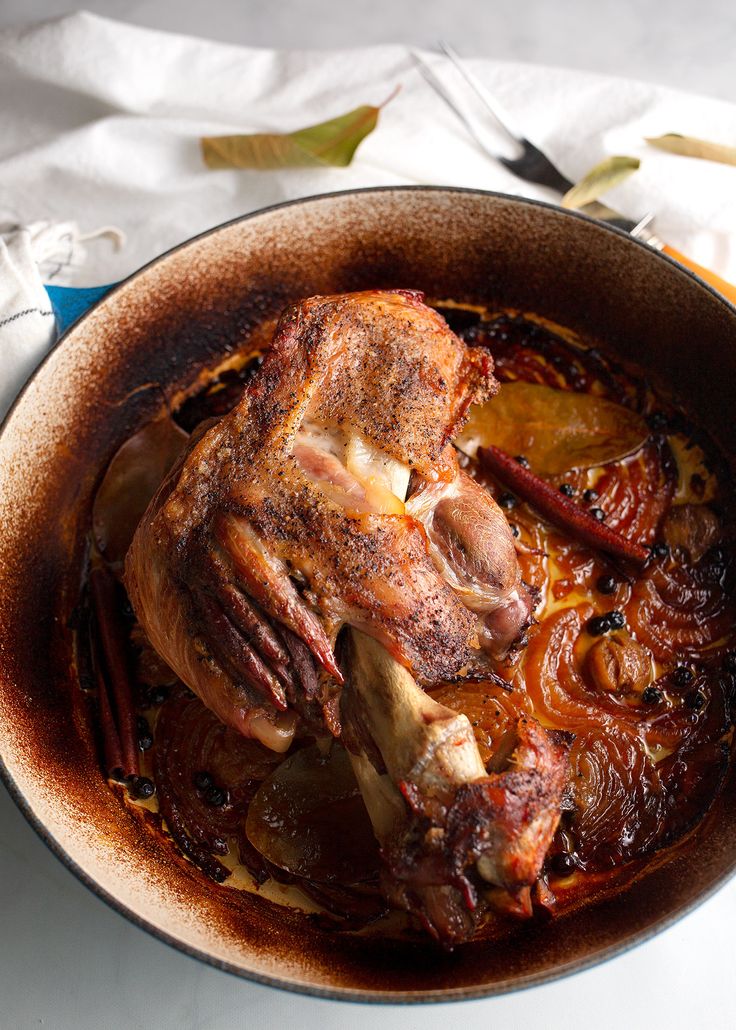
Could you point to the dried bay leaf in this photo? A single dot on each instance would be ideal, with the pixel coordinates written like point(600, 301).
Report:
point(309, 818)
point(557, 430)
point(333, 142)
point(603, 177)
point(691, 146)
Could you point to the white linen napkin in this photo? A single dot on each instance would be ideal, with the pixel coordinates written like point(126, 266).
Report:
point(29, 257)
point(100, 122)
point(27, 326)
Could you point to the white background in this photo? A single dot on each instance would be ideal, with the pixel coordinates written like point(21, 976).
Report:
point(67, 961)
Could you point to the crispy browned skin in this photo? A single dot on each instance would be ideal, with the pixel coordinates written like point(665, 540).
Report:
point(495, 829)
point(262, 543)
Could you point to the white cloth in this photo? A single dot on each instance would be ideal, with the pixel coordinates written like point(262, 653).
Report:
point(99, 122)
point(27, 326)
point(29, 257)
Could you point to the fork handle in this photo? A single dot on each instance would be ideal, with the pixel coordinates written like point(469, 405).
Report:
point(728, 290)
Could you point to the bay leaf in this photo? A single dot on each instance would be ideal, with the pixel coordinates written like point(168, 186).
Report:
point(557, 430)
point(691, 146)
point(333, 142)
point(309, 818)
point(603, 177)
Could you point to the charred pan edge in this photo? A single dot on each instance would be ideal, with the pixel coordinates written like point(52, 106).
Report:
point(562, 969)
point(634, 940)
point(367, 190)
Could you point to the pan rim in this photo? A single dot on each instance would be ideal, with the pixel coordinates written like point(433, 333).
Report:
point(291, 984)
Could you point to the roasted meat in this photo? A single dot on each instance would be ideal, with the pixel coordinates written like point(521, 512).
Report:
point(288, 520)
point(448, 827)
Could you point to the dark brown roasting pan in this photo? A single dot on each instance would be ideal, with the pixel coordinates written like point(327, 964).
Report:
point(182, 313)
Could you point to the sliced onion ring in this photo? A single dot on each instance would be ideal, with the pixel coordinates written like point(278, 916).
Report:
point(308, 818)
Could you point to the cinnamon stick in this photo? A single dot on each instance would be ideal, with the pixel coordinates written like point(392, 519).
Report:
point(112, 640)
point(111, 751)
point(559, 509)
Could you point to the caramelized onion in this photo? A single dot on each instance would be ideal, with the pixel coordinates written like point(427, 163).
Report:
point(635, 494)
point(681, 610)
point(195, 756)
point(492, 710)
point(309, 819)
point(619, 799)
point(554, 682)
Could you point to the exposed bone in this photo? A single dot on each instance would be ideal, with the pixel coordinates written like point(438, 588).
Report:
point(430, 757)
point(444, 824)
point(420, 741)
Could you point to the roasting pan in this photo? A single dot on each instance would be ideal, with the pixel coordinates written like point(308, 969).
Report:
point(186, 310)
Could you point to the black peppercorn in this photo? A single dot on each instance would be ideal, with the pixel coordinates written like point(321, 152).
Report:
point(651, 696)
point(157, 696)
point(659, 550)
point(567, 489)
point(682, 676)
point(598, 513)
point(514, 529)
point(522, 460)
point(141, 787)
point(606, 584)
point(563, 863)
point(590, 495)
point(657, 421)
point(598, 625)
point(507, 500)
point(202, 780)
point(145, 737)
point(215, 796)
point(695, 700)
point(601, 624)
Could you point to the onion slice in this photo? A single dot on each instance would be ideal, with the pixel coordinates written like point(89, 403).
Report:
point(308, 818)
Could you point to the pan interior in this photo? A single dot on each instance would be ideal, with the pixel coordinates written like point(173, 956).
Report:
point(156, 331)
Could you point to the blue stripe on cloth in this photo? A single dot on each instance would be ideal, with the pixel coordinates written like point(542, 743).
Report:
point(70, 302)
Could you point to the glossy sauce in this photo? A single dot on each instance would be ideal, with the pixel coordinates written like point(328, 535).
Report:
point(648, 756)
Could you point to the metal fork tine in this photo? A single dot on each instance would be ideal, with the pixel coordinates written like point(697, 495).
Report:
point(493, 106)
point(439, 87)
point(532, 164)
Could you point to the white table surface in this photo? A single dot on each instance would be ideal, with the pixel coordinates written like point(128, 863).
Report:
point(66, 960)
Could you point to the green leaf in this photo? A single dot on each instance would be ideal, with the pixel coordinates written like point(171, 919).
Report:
point(557, 430)
point(333, 142)
point(599, 180)
point(690, 146)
